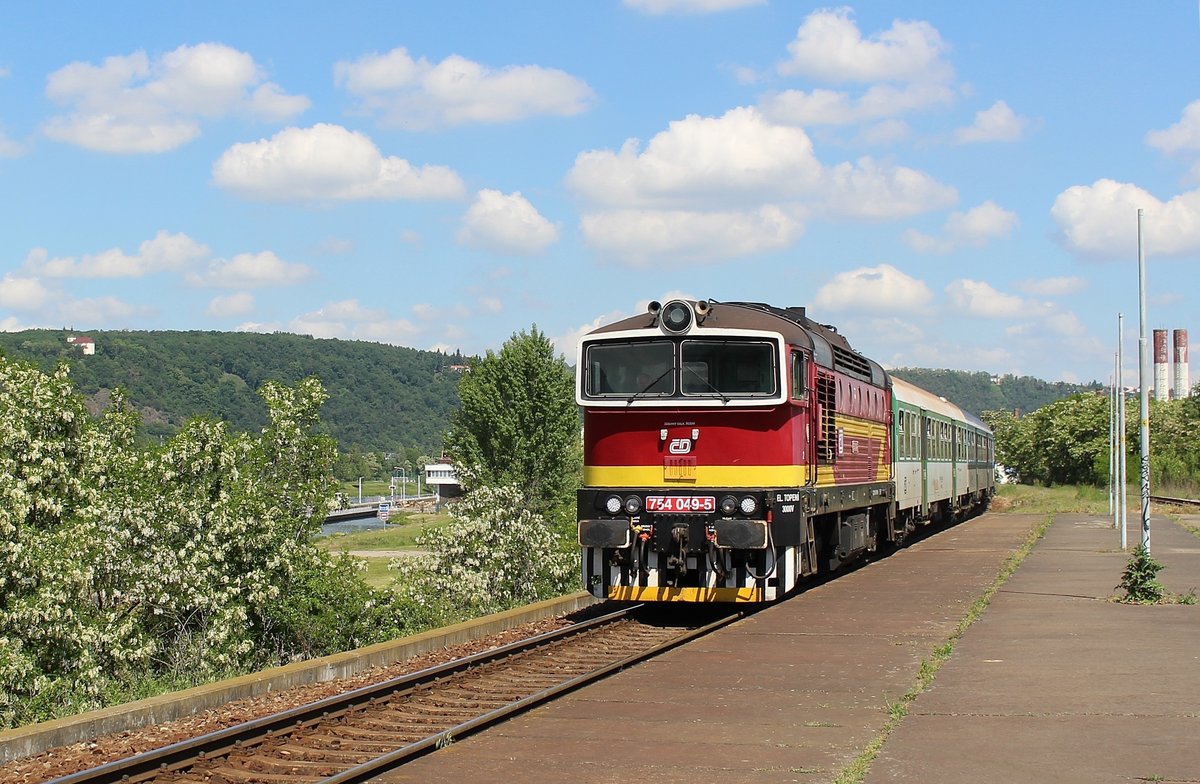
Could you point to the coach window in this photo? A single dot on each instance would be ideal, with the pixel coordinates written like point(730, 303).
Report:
point(799, 376)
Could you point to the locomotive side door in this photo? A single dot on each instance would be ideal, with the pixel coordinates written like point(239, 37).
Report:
point(806, 440)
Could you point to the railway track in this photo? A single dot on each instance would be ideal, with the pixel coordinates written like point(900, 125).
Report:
point(1163, 499)
point(362, 733)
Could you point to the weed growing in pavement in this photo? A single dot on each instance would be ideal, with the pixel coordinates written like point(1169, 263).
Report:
point(1140, 579)
point(1141, 585)
point(897, 710)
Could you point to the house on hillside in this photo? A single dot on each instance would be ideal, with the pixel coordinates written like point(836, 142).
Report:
point(83, 342)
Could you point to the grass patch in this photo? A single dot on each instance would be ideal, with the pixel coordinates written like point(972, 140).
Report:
point(1061, 499)
point(377, 574)
point(897, 710)
point(376, 487)
point(394, 536)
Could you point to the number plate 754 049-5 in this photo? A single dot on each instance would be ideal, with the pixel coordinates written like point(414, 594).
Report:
point(681, 504)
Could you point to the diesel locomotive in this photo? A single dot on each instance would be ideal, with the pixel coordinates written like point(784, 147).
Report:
point(732, 449)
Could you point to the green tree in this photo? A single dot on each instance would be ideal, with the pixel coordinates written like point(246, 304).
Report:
point(1063, 442)
point(517, 424)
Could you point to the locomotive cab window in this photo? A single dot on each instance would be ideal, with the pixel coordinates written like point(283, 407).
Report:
point(635, 368)
point(691, 368)
point(729, 368)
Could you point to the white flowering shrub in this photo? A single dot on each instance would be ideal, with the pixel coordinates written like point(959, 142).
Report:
point(496, 555)
point(121, 564)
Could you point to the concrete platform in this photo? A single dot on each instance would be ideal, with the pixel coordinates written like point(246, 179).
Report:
point(1056, 683)
point(792, 693)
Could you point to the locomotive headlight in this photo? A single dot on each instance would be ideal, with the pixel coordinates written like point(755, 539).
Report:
point(633, 505)
point(612, 504)
point(676, 316)
point(749, 505)
point(729, 505)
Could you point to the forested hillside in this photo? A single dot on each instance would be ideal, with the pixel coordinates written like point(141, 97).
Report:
point(977, 392)
point(381, 398)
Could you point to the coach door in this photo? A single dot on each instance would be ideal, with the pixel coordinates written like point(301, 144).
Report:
point(926, 446)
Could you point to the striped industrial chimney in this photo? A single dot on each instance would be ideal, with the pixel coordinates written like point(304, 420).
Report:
point(1182, 386)
point(1160, 364)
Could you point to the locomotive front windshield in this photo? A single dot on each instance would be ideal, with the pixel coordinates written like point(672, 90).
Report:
point(684, 368)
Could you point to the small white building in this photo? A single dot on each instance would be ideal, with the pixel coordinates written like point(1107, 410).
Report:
point(85, 343)
point(442, 478)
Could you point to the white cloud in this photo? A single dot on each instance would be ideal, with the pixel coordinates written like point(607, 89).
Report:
point(954, 354)
point(829, 46)
point(165, 253)
point(252, 270)
point(1053, 287)
point(348, 320)
point(886, 132)
point(659, 7)
point(131, 104)
point(238, 304)
point(265, 328)
point(973, 228)
point(100, 310)
point(8, 147)
point(873, 190)
point(998, 123)
point(1066, 324)
point(893, 331)
point(977, 298)
point(23, 293)
point(645, 237)
point(327, 162)
point(702, 161)
point(1182, 137)
point(334, 246)
point(426, 312)
point(830, 107)
point(13, 324)
point(1100, 220)
point(709, 188)
point(419, 95)
point(881, 289)
point(506, 224)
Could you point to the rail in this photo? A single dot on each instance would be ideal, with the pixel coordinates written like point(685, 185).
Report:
point(1163, 499)
point(357, 735)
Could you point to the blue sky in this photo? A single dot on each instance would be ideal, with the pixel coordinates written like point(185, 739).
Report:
point(951, 185)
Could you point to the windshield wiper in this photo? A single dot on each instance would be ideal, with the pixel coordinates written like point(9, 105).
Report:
point(646, 388)
point(706, 383)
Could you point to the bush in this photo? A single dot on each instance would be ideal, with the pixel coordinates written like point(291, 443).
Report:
point(497, 554)
point(125, 569)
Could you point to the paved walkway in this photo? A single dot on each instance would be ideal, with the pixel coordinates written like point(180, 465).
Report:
point(791, 694)
point(1057, 684)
